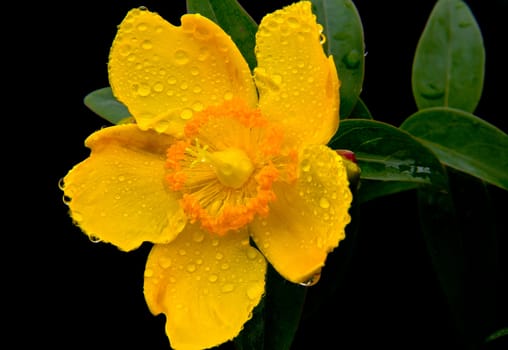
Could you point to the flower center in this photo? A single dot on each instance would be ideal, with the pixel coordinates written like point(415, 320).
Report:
point(232, 166)
point(226, 165)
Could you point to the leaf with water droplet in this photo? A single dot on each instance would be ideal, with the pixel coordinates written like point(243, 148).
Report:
point(233, 19)
point(463, 141)
point(386, 153)
point(343, 29)
point(449, 61)
point(104, 104)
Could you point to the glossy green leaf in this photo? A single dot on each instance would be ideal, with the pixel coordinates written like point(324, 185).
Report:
point(386, 153)
point(448, 67)
point(463, 141)
point(438, 222)
point(103, 103)
point(233, 19)
point(461, 238)
point(360, 111)
point(343, 30)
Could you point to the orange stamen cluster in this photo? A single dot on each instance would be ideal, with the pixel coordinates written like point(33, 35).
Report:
point(192, 169)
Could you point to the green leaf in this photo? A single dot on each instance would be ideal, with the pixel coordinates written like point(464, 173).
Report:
point(234, 20)
point(343, 30)
point(386, 153)
point(103, 103)
point(463, 141)
point(497, 334)
point(461, 238)
point(360, 111)
point(448, 67)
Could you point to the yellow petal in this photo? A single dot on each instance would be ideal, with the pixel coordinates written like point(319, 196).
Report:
point(206, 285)
point(298, 84)
point(308, 219)
point(118, 194)
point(164, 74)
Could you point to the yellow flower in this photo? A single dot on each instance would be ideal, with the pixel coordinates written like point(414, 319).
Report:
point(215, 159)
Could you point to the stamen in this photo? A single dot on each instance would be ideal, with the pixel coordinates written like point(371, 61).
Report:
point(226, 166)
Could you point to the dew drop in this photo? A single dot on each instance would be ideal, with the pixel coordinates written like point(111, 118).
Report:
point(305, 165)
point(215, 242)
point(213, 278)
point(277, 79)
point(228, 96)
point(198, 106)
point(198, 236)
point(219, 256)
point(352, 59)
point(158, 87)
point(93, 239)
point(182, 252)
point(312, 281)
point(324, 203)
point(224, 266)
point(161, 126)
point(143, 90)
point(254, 291)
point(121, 178)
point(171, 80)
point(148, 272)
point(186, 114)
point(165, 262)
point(181, 57)
point(228, 287)
point(147, 45)
point(431, 92)
point(191, 268)
point(142, 27)
point(251, 253)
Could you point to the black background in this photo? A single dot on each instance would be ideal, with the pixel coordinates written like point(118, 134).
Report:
point(68, 292)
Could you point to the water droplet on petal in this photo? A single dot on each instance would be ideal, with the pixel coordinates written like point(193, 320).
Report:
point(228, 287)
point(324, 203)
point(158, 87)
point(143, 89)
point(182, 252)
point(219, 256)
point(191, 267)
point(312, 281)
point(198, 236)
point(165, 262)
point(213, 278)
point(252, 253)
point(93, 239)
point(305, 165)
point(147, 45)
point(181, 57)
point(148, 272)
point(254, 291)
point(186, 114)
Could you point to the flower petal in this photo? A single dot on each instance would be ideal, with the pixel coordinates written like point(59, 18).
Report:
point(118, 194)
point(308, 218)
point(164, 73)
point(206, 285)
point(298, 84)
